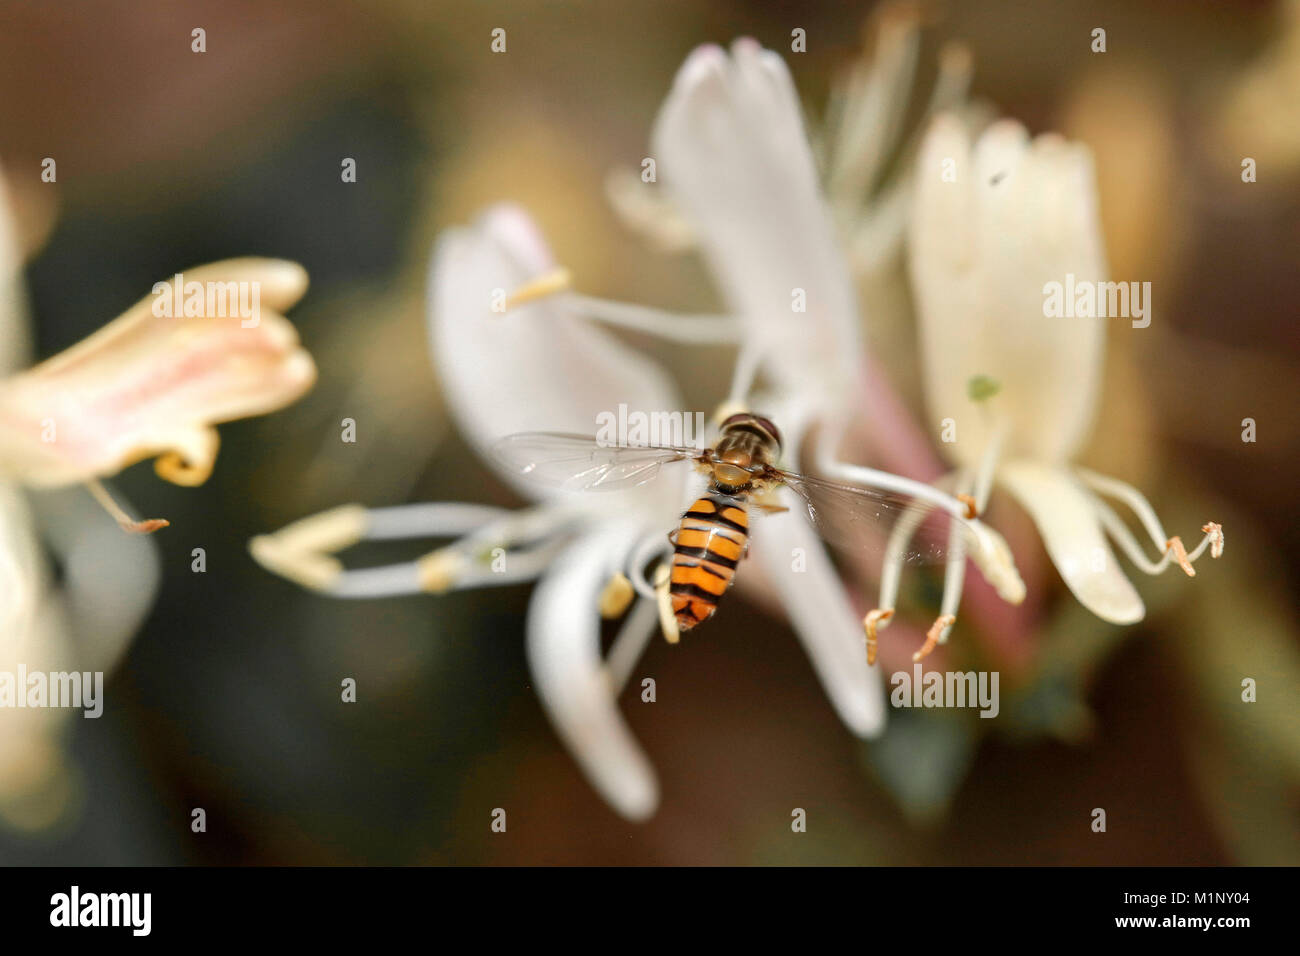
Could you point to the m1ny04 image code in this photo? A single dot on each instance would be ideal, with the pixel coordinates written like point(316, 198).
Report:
point(1200, 899)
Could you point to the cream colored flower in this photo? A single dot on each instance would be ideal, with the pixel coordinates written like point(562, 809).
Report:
point(142, 386)
point(1013, 216)
point(149, 386)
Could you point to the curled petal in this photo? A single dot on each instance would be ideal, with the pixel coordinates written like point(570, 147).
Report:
point(1062, 509)
point(575, 690)
point(149, 384)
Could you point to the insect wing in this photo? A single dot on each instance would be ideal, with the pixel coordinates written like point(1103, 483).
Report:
point(580, 463)
point(857, 518)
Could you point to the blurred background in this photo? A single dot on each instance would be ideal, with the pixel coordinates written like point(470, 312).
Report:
point(228, 698)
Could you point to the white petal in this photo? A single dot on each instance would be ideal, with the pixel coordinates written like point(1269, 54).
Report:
point(1018, 216)
point(732, 149)
point(22, 570)
point(15, 340)
point(564, 655)
point(1072, 534)
point(815, 599)
point(818, 607)
point(534, 367)
point(33, 634)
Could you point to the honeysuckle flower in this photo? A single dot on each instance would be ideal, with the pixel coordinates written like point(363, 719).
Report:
point(734, 160)
point(539, 366)
point(108, 582)
point(139, 387)
point(1021, 388)
point(855, 143)
point(154, 386)
point(734, 154)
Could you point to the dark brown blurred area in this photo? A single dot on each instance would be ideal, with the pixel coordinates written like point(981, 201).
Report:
point(228, 699)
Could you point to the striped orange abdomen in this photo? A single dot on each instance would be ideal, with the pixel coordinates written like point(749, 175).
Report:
point(710, 542)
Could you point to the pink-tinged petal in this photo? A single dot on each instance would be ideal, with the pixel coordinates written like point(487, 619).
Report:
point(149, 386)
point(732, 149)
point(564, 655)
point(1062, 509)
point(533, 367)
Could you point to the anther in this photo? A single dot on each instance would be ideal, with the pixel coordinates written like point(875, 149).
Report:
point(1175, 547)
point(1215, 531)
point(667, 617)
point(557, 280)
point(875, 618)
point(616, 596)
point(124, 520)
point(932, 636)
point(438, 570)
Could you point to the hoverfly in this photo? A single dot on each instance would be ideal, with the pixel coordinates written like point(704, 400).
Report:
point(713, 534)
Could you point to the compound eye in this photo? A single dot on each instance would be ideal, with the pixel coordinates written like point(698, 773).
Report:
point(738, 417)
point(769, 427)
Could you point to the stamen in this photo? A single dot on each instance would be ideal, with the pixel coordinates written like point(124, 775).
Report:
point(1170, 552)
point(1131, 497)
point(972, 512)
point(1214, 533)
point(548, 284)
point(900, 537)
point(954, 578)
point(639, 559)
point(675, 327)
point(937, 631)
point(664, 600)
point(302, 551)
point(1175, 547)
point(331, 530)
point(438, 570)
point(868, 107)
point(124, 520)
point(743, 376)
point(316, 572)
point(616, 596)
point(874, 619)
point(885, 481)
point(989, 460)
point(433, 519)
point(632, 640)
